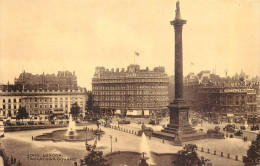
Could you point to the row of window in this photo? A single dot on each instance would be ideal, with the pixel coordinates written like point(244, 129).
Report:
point(10, 107)
point(249, 109)
point(55, 99)
point(9, 100)
point(116, 75)
point(129, 80)
point(140, 105)
point(37, 106)
point(145, 98)
point(49, 106)
point(122, 87)
point(144, 92)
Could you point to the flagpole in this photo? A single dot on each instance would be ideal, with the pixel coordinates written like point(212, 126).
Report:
point(134, 58)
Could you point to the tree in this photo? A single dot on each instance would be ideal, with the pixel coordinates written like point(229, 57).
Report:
point(94, 158)
point(96, 111)
point(89, 101)
point(253, 153)
point(75, 110)
point(22, 113)
point(188, 156)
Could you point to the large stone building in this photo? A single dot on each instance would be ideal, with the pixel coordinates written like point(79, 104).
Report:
point(64, 79)
point(221, 97)
point(39, 98)
point(228, 100)
point(133, 91)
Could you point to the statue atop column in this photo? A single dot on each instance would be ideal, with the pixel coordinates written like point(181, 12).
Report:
point(177, 11)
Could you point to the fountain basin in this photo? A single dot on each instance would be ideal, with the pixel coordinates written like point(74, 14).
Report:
point(61, 135)
point(133, 158)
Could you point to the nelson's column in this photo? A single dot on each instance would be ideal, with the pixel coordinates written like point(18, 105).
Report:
point(179, 128)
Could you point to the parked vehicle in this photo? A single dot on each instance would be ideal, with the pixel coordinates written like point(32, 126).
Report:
point(154, 122)
point(31, 123)
point(230, 128)
point(19, 123)
point(194, 121)
point(40, 123)
point(238, 133)
point(124, 121)
point(8, 123)
point(242, 127)
point(2, 128)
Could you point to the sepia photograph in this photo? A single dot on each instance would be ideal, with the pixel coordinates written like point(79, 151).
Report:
point(129, 82)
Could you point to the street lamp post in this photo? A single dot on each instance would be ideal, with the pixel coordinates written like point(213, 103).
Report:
point(111, 142)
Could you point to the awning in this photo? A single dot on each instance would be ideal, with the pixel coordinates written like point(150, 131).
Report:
point(129, 112)
point(146, 112)
point(118, 112)
point(138, 112)
point(230, 115)
point(134, 112)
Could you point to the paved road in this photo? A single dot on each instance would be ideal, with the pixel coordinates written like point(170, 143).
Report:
point(20, 145)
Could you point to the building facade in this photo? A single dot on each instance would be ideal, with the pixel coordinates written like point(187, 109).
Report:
point(219, 97)
point(41, 99)
point(64, 79)
point(133, 91)
point(228, 100)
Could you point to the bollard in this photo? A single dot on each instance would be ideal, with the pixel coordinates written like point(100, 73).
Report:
point(208, 150)
point(221, 154)
point(228, 155)
point(236, 157)
point(214, 152)
point(202, 149)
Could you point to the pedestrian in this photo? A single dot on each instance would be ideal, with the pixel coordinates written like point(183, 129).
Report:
point(116, 139)
point(12, 159)
point(32, 138)
point(163, 140)
point(19, 163)
point(75, 163)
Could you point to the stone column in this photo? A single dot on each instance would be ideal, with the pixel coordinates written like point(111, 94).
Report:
point(178, 23)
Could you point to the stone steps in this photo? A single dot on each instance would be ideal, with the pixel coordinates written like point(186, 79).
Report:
point(184, 138)
point(173, 130)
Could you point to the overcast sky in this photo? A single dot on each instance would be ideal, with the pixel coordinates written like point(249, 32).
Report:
point(78, 35)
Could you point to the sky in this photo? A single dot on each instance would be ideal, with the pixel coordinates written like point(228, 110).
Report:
point(78, 35)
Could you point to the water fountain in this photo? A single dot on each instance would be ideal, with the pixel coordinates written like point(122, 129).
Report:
point(71, 131)
point(70, 134)
point(145, 149)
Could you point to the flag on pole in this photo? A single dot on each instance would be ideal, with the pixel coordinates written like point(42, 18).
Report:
point(136, 53)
